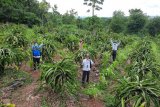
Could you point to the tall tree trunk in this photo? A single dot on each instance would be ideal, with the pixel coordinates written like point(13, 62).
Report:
point(92, 11)
point(93, 7)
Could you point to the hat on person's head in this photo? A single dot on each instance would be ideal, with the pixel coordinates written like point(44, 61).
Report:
point(87, 55)
point(81, 40)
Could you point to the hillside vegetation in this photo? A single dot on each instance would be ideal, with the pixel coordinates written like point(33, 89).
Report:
point(132, 80)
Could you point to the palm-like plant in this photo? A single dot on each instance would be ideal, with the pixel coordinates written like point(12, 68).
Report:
point(9, 56)
point(16, 39)
point(72, 42)
point(6, 57)
point(88, 39)
point(93, 52)
point(135, 92)
point(61, 76)
point(48, 50)
point(143, 61)
point(80, 54)
point(102, 46)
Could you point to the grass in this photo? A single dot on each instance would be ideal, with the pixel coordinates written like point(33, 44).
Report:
point(44, 103)
point(11, 75)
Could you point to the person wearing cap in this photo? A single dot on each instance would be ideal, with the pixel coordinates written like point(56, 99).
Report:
point(114, 48)
point(86, 68)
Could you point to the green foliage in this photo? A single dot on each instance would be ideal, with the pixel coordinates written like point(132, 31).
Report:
point(155, 52)
point(72, 42)
point(154, 26)
point(92, 51)
point(88, 39)
point(118, 22)
point(61, 76)
point(6, 54)
point(13, 45)
point(44, 103)
point(101, 46)
point(9, 56)
point(81, 23)
point(6, 57)
point(80, 54)
point(69, 17)
point(32, 12)
point(60, 31)
point(7, 105)
point(17, 37)
point(48, 50)
point(143, 61)
point(64, 31)
point(136, 21)
point(108, 70)
point(92, 91)
point(95, 24)
point(19, 11)
point(110, 100)
point(137, 91)
point(10, 75)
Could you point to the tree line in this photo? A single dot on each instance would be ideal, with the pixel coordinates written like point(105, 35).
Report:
point(32, 12)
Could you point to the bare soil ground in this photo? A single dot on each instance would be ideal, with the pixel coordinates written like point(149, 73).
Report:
point(25, 96)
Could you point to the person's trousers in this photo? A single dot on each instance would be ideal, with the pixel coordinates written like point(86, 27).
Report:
point(85, 76)
point(36, 62)
point(114, 53)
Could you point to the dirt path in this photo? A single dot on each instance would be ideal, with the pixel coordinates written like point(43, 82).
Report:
point(92, 103)
point(94, 78)
point(24, 96)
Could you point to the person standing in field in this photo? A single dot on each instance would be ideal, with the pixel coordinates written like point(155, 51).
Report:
point(114, 48)
point(80, 44)
point(86, 68)
point(36, 53)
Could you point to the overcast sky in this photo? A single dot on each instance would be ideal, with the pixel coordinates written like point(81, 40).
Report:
point(150, 7)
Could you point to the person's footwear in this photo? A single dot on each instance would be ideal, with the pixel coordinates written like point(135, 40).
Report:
point(34, 69)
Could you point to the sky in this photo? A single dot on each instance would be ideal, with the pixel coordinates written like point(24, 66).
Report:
point(150, 7)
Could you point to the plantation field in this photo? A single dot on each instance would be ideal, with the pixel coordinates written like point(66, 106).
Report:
point(132, 80)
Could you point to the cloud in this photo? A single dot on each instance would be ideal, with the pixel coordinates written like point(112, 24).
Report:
point(150, 7)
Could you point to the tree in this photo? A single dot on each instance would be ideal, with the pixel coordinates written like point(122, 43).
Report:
point(13, 46)
point(53, 19)
point(136, 21)
point(80, 23)
point(94, 4)
point(19, 11)
point(69, 17)
point(95, 23)
point(153, 26)
point(43, 10)
point(118, 22)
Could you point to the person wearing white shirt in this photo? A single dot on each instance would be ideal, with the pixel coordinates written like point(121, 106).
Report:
point(86, 68)
point(114, 48)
